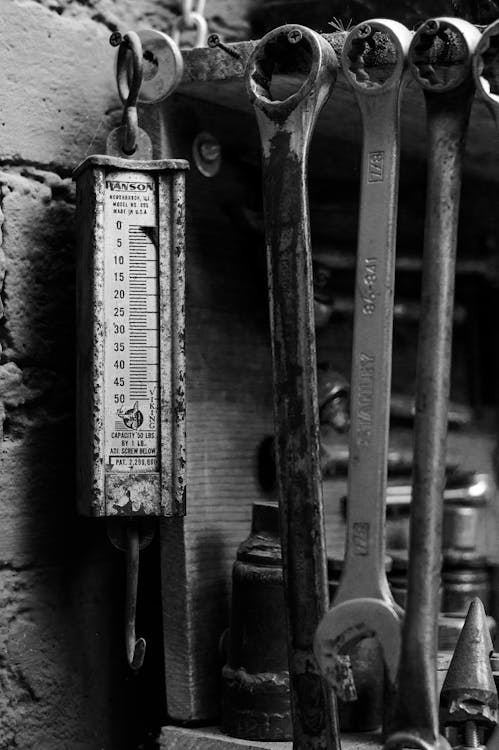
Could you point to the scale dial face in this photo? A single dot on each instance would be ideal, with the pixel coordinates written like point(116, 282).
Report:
point(131, 351)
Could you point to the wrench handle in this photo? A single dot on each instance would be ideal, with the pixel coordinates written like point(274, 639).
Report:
point(372, 349)
point(448, 116)
point(296, 424)
point(286, 128)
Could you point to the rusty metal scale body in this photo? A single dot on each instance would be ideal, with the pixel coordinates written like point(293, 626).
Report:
point(131, 370)
point(130, 209)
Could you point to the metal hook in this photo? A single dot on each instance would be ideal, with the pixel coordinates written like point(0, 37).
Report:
point(131, 536)
point(195, 21)
point(129, 87)
point(135, 647)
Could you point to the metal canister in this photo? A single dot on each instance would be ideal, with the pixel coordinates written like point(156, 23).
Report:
point(462, 585)
point(465, 573)
point(255, 680)
point(465, 501)
point(464, 521)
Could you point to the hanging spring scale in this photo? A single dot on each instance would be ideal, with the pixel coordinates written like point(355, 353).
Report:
point(131, 328)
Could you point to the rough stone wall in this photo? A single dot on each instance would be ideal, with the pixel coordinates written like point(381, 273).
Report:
point(227, 17)
point(63, 683)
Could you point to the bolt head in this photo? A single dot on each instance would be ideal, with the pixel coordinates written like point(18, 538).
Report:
point(295, 36)
point(431, 27)
point(213, 40)
point(364, 30)
point(209, 151)
point(115, 39)
point(207, 154)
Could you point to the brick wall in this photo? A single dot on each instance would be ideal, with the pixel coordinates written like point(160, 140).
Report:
point(63, 681)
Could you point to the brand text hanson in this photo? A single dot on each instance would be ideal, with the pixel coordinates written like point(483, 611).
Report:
point(138, 187)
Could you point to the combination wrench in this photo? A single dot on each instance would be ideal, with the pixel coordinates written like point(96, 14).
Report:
point(286, 128)
point(363, 606)
point(440, 60)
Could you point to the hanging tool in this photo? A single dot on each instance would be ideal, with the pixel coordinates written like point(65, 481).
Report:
point(440, 60)
point(363, 606)
point(130, 309)
point(286, 128)
point(468, 700)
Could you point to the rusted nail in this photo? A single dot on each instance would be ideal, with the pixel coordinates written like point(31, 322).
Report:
point(295, 36)
point(364, 30)
point(210, 152)
point(431, 27)
point(115, 39)
point(207, 154)
point(215, 41)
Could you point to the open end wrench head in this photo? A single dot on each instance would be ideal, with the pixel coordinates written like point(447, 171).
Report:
point(375, 41)
point(486, 64)
point(295, 50)
point(348, 623)
point(441, 52)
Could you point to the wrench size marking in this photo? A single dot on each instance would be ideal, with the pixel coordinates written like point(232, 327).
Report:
point(375, 171)
point(361, 538)
point(369, 294)
point(365, 399)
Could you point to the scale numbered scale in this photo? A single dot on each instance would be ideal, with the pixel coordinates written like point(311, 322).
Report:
point(131, 364)
point(131, 298)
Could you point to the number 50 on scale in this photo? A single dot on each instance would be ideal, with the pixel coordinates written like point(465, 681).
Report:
point(131, 333)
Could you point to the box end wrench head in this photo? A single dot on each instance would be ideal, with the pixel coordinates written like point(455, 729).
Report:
point(485, 66)
point(345, 625)
point(378, 40)
point(286, 126)
point(291, 49)
point(439, 55)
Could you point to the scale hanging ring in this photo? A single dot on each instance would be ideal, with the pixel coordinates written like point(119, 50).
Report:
point(197, 22)
point(129, 86)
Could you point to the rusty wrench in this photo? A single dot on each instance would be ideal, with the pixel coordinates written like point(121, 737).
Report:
point(440, 60)
point(363, 605)
point(286, 128)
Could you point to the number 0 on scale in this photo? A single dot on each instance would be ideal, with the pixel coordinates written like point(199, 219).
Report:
point(131, 294)
point(131, 365)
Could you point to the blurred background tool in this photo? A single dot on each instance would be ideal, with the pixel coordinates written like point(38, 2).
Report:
point(468, 700)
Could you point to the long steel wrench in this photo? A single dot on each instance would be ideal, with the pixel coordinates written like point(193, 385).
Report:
point(286, 128)
point(486, 75)
point(363, 605)
point(440, 60)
